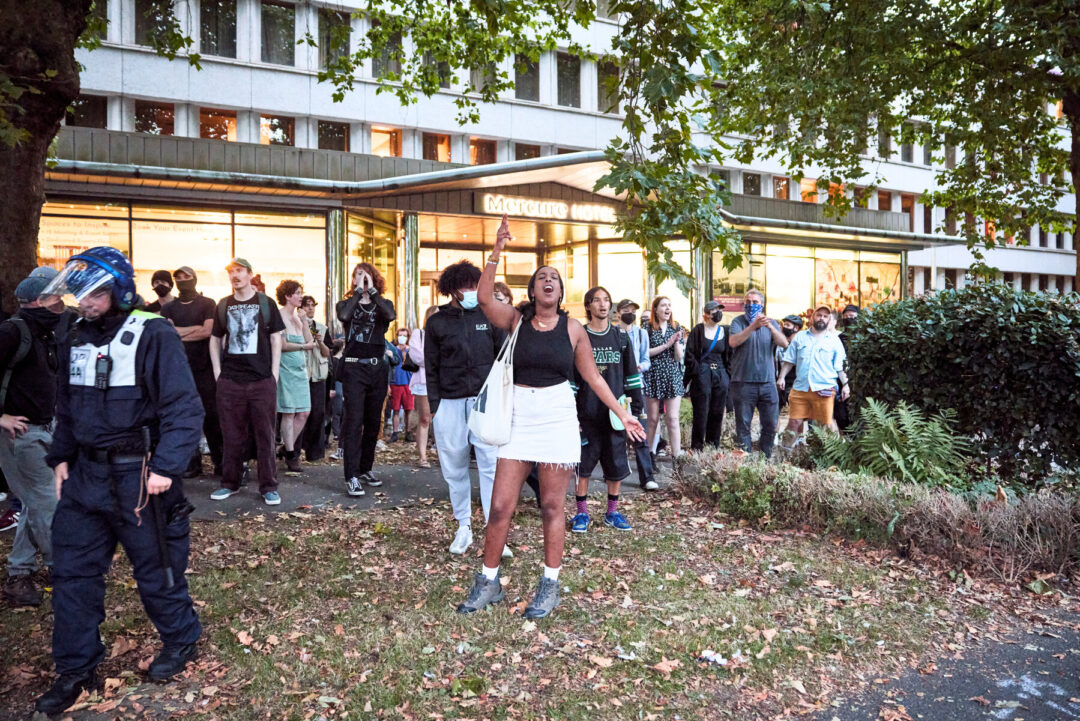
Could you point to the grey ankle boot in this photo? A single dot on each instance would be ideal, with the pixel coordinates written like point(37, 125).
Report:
point(482, 594)
point(545, 600)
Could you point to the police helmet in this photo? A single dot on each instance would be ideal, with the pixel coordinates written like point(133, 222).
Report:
point(95, 269)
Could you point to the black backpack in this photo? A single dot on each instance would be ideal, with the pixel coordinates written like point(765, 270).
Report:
point(25, 342)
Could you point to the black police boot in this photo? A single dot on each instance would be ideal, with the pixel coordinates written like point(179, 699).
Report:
point(172, 661)
point(65, 691)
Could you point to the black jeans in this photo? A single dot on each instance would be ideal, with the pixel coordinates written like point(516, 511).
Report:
point(708, 396)
point(365, 387)
point(313, 437)
point(207, 387)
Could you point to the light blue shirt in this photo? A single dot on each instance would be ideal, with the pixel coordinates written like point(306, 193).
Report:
point(818, 359)
point(640, 340)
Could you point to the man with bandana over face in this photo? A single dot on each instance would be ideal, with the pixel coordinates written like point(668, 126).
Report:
point(28, 399)
point(754, 337)
point(193, 316)
point(162, 283)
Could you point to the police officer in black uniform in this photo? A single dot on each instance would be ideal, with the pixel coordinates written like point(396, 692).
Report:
point(128, 419)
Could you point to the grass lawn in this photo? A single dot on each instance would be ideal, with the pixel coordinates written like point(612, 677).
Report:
point(351, 615)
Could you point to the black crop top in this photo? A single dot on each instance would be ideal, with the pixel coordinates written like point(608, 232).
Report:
point(543, 358)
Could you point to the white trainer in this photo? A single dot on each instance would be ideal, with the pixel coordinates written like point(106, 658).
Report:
point(462, 540)
point(507, 553)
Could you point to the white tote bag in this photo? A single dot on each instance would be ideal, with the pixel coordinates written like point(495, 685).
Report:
point(493, 410)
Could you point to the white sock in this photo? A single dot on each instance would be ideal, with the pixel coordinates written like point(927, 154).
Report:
point(552, 573)
point(490, 573)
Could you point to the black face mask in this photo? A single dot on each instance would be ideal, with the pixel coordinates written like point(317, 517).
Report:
point(849, 322)
point(43, 317)
point(186, 288)
point(716, 316)
point(628, 318)
point(788, 332)
point(161, 289)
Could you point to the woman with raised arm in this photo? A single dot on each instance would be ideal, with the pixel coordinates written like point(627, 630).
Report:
point(544, 428)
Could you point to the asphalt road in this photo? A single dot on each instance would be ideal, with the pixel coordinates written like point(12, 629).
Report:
point(1031, 676)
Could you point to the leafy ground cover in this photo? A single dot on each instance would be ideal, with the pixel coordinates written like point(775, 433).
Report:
point(348, 615)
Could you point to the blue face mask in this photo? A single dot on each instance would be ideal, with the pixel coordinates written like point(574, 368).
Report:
point(752, 309)
point(468, 299)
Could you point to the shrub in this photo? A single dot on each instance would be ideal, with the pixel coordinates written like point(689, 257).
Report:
point(1007, 361)
point(901, 444)
point(1038, 532)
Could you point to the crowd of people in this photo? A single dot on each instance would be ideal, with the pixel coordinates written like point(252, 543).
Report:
point(105, 407)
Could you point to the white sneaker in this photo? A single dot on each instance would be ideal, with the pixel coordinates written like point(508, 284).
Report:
point(380, 446)
point(337, 455)
point(462, 540)
point(507, 553)
point(651, 485)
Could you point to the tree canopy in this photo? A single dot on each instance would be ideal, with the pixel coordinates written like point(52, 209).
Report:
point(814, 85)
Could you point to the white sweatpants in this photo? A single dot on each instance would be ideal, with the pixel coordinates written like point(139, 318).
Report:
point(453, 438)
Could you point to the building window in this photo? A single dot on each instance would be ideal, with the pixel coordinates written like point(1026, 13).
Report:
point(526, 78)
point(437, 147)
point(334, 32)
point(568, 69)
point(149, 23)
point(781, 188)
point(564, 151)
point(927, 281)
point(1007, 278)
point(154, 118)
point(388, 62)
point(907, 207)
point(928, 218)
point(1044, 282)
point(386, 142)
point(884, 144)
point(1060, 244)
point(751, 184)
point(907, 152)
point(950, 278)
point(950, 221)
point(217, 28)
point(927, 153)
point(808, 190)
point(217, 124)
point(441, 68)
point(1042, 237)
point(524, 151)
point(607, 86)
point(278, 33)
point(99, 19)
point(88, 111)
point(333, 136)
point(480, 78)
point(860, 197)
point(950, 156)
point(884, 200)
point(277, 130)
point(481, 152)
point(721, 179)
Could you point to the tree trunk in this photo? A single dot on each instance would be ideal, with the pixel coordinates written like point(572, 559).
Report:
point(37, 52)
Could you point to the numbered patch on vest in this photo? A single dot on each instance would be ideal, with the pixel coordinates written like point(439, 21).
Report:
point(122, 352)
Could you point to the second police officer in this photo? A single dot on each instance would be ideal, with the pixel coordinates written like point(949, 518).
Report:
point(128, 419)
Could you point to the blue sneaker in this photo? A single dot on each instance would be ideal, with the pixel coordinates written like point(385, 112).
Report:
point(221, 494)
point(580, 524)
point(617, 521)
point(271, 498)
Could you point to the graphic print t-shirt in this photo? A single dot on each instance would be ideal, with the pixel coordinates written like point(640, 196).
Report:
point(614, 356)
point(245, 355)
point(364, 334)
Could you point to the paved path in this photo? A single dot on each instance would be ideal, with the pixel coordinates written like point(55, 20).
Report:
point(1032, 676)
point(323, 486)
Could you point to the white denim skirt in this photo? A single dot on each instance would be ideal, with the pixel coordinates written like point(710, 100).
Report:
point(544, 427)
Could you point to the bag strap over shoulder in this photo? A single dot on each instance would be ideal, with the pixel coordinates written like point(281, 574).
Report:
point(506, 353)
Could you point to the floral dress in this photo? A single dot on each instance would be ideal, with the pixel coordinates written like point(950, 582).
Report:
point(664, 379)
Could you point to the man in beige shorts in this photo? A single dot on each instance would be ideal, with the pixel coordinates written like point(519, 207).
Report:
point(818, 358)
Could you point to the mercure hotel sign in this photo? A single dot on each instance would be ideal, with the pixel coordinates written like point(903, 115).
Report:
point(524, 207)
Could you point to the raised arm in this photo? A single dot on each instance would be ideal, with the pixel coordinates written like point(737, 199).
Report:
point(501, 314)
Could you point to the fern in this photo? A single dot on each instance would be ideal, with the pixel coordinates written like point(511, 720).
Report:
point(899, 443)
